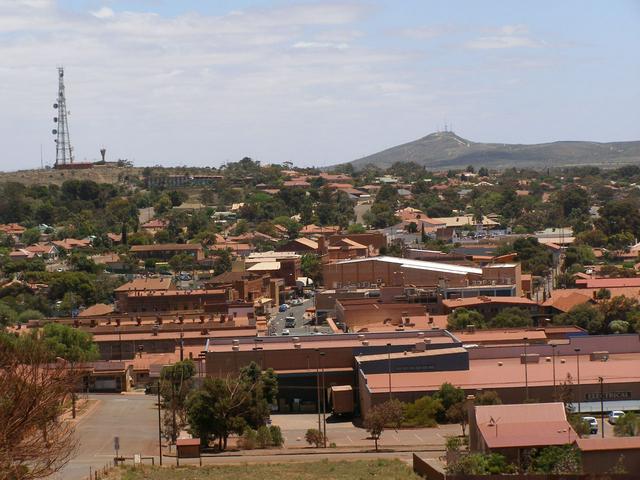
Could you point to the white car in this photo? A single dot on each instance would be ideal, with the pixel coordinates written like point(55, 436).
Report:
point(286, 331)
point(593, 424)
point(614, 416)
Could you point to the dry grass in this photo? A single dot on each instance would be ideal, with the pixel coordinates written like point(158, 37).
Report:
point(326, 470)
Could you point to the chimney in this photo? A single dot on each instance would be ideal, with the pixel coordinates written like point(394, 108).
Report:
point(321, 245)
point(297, 345)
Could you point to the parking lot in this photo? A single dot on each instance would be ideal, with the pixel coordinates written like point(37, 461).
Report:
point(303, 322)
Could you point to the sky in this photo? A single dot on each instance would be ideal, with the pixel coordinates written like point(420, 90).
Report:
point(204, 82)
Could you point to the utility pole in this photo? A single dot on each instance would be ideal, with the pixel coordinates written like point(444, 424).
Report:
point(553, 359)
point(318, 387)
point(159, 426)
point(526, 373)
point(389, 367)
point(577, 350)
point(324, 408)
point(601, 380)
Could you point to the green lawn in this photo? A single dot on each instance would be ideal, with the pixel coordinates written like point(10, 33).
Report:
point(326, 470)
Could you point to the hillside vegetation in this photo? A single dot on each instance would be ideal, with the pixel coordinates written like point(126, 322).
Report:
point(444, 150)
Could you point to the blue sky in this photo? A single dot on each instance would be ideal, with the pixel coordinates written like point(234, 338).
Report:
point(316, 83)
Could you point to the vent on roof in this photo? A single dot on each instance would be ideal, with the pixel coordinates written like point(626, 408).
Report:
point(235, 342)
point(235, 348)
point(297, 345)
point(365, 343)
point(500, 364)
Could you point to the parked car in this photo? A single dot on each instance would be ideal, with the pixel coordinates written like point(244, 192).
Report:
point(614, 416)
point(286, 331)
point(283, 308)
point(290, 322)
point(593, 424)
point(296, 301)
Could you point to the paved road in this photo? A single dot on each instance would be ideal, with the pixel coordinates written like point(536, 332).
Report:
point(345, 434)
point(131, 417)
point(303, 327)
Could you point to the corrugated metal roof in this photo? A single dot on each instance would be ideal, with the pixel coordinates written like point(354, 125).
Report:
point(264, 266)
point(420, 265)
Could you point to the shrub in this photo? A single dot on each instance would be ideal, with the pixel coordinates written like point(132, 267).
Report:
point(263, 437)
point(277, 440)
point(422, 412)
point(249, 439)
point(314, 437)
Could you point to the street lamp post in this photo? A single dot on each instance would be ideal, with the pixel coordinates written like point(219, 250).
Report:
point(389, 367)
point(553, 361)
point(577, 350)
point(601, 380)
point(324, 407)
point(526, 372)
point(318, 387)
point(159, 426)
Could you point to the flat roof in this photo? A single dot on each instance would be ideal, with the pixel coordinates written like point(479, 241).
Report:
point(419, 265)
point(488, 374)
point(175, 335)
point(340, 340)
point(595, 444)
point(395, 355)
point(481, 335)
point(264, 266)
point(470, 301)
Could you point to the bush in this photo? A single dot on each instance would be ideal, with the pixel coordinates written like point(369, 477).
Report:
point(277, 440)
point(30, 314)
point(422, 412)
point(480, 464)
point(314, 437)
point(249, 439)
point(263, 437)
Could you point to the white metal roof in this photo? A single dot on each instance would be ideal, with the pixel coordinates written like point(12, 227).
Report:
point(420, 265)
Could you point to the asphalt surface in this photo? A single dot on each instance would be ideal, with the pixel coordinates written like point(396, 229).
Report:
point(303, 325)
point(133, 418)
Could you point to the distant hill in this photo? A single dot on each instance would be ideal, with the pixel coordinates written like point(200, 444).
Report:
point(444, 150)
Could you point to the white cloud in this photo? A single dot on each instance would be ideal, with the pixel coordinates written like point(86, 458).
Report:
point(104, 12)
point(507, 36)
point(313, 45)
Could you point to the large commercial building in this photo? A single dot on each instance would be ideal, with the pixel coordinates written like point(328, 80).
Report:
point(452, 280)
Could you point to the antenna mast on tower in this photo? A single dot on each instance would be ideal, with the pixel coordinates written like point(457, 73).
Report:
point(64, 151)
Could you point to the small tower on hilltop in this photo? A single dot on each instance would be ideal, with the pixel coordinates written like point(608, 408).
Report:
point(64, 150)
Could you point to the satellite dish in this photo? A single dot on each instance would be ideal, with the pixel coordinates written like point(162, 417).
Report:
point(55, 105)
point(54, 131)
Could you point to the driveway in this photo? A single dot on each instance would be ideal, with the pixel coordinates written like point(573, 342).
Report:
point(133, 418)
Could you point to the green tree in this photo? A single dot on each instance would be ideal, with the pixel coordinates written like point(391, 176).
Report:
point(311, 266)
point(8, 316)
point(449, 395)
point(627, 425)
point(423, 412)
point(480, 464)
point(511, 317)
point(488, 397)
point(230, 405)
point(461, 317)
point(563, 459)
point(356, 228)
point(175, 385)
point(277, 438)
point(182, 261)
point(389, 413)
point(69, 343)
point(30, 236)
point(584, 316)
point(222, 262)
point(314, 437)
